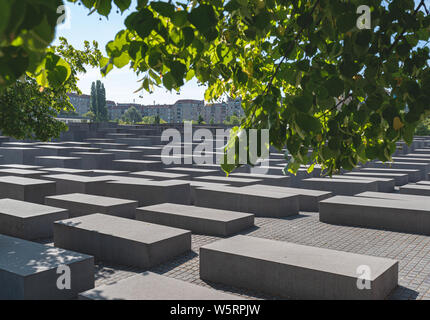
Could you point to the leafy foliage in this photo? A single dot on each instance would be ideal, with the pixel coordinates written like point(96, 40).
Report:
point(423, 128)
point(131, 115)
point(302, 68)
point(26, 112)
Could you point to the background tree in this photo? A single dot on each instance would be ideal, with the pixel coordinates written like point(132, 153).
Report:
point(212, 121)
point(200, 119)
point(98, 101)
point(90, 115)
point(28, 111)
point(157, 119)
point(131, 115)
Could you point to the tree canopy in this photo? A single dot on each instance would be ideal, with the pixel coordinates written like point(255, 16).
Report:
point(303, 69)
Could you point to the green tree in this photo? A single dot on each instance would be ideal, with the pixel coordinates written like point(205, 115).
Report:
point(212, 121)
point(29, 111)
point(98, 101)
point(131, 115)
point(90, 115)
point(157, 119)
point(200, 119)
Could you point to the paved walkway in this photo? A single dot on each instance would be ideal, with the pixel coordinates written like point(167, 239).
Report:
point(412, 251)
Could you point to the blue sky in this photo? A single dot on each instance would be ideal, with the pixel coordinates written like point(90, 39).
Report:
point(119, 83)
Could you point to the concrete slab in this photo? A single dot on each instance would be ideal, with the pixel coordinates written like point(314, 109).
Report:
point(123, 241)
point(148, 192)
point(386, 214)
point(399, 178)
point(95, 160)
point(232, 181)
point(58, 161)
point(26, 189)
point(193, 172)
point(73, 183)
point(308, 198)
point(80, 204)
point(25, 173)
point(21, 155)
point(420, 189)
point(125, 154)
point(424, 168)
point(159, 175)
point(20, 166)
point(136, 165)
point(196, 219)
point(261, 203)
point(266, 179)
point(384, 184)
point(339, 186)
point(151, 286)
point(28, 270)
point(414, 174)
point(295, 271)
point(27, 220)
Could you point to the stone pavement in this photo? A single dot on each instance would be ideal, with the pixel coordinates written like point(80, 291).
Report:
point(411, 250)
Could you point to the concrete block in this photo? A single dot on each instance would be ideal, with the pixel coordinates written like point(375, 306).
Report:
point(193, 172)
point(159, 175)
point(28, 271)
point(25, 173)
point(136, 165)
point(424, 168)
point(413, 174)
point(232, 181)
point(295, 271)
point(308, 199)
point(95, 160)
point(384, 184)
point(58, 161)
point(151, 286)
point(73, 183)
point(120, 154)
point(20, 155)
point(261, 203)
point(26, 189)
point(386, 214)
point(339, 186)
point(122, 241)
point(400, 179)
point(27, 220)
point(196, 219)
point(419, 189)
point(148, 192)
point(80, 204)
point(266, 179)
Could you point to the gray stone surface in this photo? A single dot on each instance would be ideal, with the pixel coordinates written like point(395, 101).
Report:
point(295, 271)
point(136, 165)
point(400, 179)
point(387, 214)
point(120, 240)
point(384, 184)
point(414, 174)
point(26, 189)
point(21, 155)
point(193, 172)
point(267, 179)
point(28, 270)
point(27, 220)
point(125, 153)
point(416, 189)
point(151, 286)
point(422, 167)
point(258, 202)
point(95, 160)
point(160, 175)
point(59, 161)
point(232, 181)
point(25, 173)
point(196, 219)
point(148, 192)
point(73, 183)
point(339, 186)
point(308, 198)
point(80, 204)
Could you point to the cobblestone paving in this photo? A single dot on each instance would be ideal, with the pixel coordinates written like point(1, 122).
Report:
point(412, 252)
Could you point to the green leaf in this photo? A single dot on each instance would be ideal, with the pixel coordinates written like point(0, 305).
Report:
point(334, 87)
point(163, 8)
point(123, 4)
point(308, 123)
point(180, 18)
